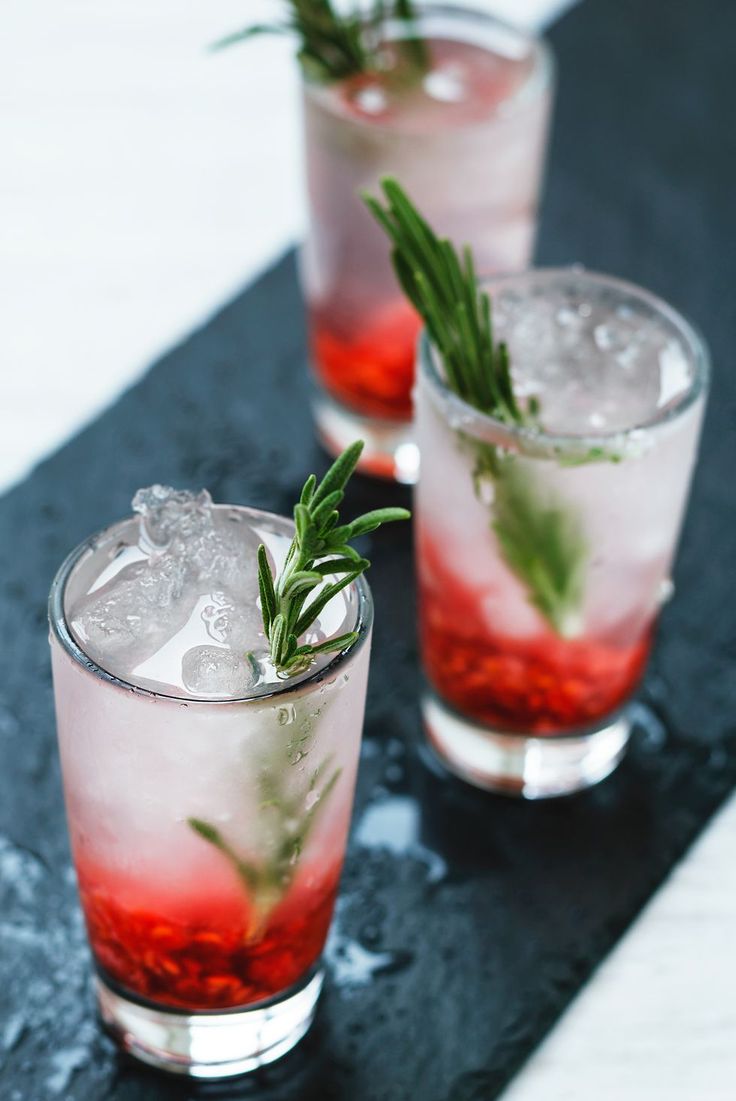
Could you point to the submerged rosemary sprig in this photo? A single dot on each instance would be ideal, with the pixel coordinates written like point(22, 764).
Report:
point(320, 549)
point(541, 539)
point(289, 818)
point(334, 45)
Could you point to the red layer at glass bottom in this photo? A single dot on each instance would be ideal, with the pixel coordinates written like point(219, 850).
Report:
point(541, 684)
point(369, 368)
point(204, 957)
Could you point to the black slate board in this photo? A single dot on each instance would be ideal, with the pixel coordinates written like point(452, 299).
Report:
point(457, 951)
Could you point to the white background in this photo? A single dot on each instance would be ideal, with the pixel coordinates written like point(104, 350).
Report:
point(142, 182)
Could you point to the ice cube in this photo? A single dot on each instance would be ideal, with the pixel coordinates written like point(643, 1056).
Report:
point(167, 512)
point(131, 616)
point(220, 548)
point(239, 626)
point(218, 672)
point(225, 555)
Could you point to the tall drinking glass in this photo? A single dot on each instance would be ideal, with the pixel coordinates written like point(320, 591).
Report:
point(208, 805)
point(467, 140)
point(544, 552)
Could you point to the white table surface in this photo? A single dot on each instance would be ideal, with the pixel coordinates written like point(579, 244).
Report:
point(143, 182)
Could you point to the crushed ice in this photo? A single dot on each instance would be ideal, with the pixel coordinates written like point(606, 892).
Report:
point(592, 365)
point(193, 553)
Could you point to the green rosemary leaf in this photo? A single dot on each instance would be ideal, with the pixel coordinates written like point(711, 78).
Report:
point(326, 507)
point(308, 490)
point(247, 873)
point(278, 637)
point(372, 520)
point(301, 520)
point(339, 473)
point(319, 550)
point(332, 645)
point(205, 830)
point(248, 32)
point(341, 565)
point(265, 588)
point(312, 611)
point(303, 580)
point(339, 548)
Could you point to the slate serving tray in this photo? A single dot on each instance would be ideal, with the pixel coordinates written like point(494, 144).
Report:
point(466, 922)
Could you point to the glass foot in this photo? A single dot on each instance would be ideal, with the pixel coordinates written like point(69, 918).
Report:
point(212, 1044)
point(390, 451)
point(533, 767)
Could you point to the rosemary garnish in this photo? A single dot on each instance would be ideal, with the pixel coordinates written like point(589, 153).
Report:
point(334, 45)
point(320, 549)
point(288, 819)
point(541, 540)
point(444, 291)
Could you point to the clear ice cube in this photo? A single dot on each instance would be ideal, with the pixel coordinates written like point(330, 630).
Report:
point(217, 672)
point(239, 626)
point(166, 513)
point(135, 613)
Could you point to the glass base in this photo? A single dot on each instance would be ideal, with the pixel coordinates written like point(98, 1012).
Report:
point(530, 766)
point(390, 451)
point(210, 1044)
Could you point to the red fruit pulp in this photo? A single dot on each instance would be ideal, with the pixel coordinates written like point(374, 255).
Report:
point(368, 367)
point(540, 684)
point(201, 953)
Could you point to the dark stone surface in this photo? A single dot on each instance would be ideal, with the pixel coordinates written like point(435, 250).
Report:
point(480, 930)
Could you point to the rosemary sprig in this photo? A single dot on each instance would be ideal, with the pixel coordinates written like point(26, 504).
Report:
point(445, 293)
point(335, 45)
point(541, 540)
point(290, 826)
point(319, 550)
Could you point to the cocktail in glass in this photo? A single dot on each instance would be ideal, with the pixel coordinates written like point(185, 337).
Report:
point(544, 551)
point(208, 800)
point(467, 138)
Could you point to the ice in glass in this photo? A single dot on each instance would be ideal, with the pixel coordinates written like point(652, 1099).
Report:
point(208, 797)
point(466, 135)
point(545, 549)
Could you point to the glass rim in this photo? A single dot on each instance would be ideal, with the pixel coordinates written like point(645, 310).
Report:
point(541, 441)
point(539, 78)
point(61, 630)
